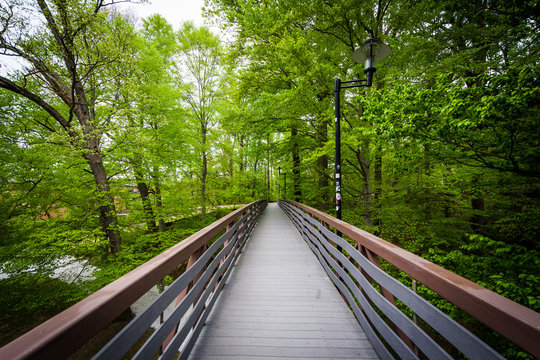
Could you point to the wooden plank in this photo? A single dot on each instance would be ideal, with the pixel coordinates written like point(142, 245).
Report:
point(279, 303)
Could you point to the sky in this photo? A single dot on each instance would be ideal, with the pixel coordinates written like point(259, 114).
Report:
point(175, 11)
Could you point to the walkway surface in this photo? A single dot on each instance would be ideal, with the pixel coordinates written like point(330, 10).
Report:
point(279, 304)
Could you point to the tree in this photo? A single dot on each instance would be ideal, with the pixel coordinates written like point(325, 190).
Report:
point(141, 139)
point(201, 52)
point(60, 61)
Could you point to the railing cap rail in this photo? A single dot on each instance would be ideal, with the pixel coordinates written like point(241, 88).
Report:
point(61, 335)
point(516, 322)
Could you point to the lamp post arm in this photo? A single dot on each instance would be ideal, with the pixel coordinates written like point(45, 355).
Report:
point(356, 83)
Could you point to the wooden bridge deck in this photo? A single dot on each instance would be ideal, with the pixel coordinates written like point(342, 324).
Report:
point(279, 303)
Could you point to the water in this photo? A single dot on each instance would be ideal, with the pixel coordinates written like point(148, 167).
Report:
point(66, 268)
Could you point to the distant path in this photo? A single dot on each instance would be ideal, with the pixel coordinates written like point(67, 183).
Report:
point(279, 303)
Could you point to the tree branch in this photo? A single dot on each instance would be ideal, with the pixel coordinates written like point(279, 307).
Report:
point(11, 86)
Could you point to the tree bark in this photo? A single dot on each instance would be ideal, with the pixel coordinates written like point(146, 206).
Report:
point(147, 206)
point(268, 168)
point(204, 172)
point(107, 210)
point(144, 192)
point(296, 166)
point(254, 187)
point(367, 191)
point(241, 143)
point(322, 166)
point(478, 220)
point(159, 200)
point(378, 189)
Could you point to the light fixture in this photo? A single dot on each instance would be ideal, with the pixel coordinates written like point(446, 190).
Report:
point(372, 50)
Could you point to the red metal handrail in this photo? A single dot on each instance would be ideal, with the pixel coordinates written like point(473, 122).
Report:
point(63, 334)
point(517, 323)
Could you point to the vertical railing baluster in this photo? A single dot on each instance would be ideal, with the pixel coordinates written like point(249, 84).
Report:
point(415, 318)
point(192, 259)
point(162, 286)
point(229, 226)
point(374, 259)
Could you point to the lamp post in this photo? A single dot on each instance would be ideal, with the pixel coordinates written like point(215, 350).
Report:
point(371, 51)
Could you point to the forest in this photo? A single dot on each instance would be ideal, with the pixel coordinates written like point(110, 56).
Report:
point(120, 136)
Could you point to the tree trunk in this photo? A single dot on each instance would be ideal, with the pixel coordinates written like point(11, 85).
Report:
point(296, 166)
point(204, 172)
point(108, 219)
point(107, 210)
point(254, 188)
point(378, 189)
point(366, 184)
point(159, 200)
point(241, 153)
point(268, 169)
point(322, 166)
point(147, 206)
point(478, 220)
point(144, 192)
point(426, 174)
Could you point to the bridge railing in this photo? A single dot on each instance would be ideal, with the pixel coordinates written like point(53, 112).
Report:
point(195, 292)
point(372, 294)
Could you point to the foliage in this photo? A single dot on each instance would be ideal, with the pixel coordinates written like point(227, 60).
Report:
point(440, 156)
point(30, 295)
point(493, 264)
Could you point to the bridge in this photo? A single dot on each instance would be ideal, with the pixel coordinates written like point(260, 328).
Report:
point(276, 281)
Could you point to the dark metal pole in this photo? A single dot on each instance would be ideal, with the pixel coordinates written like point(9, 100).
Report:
point(369, 75)
point(337, 91)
